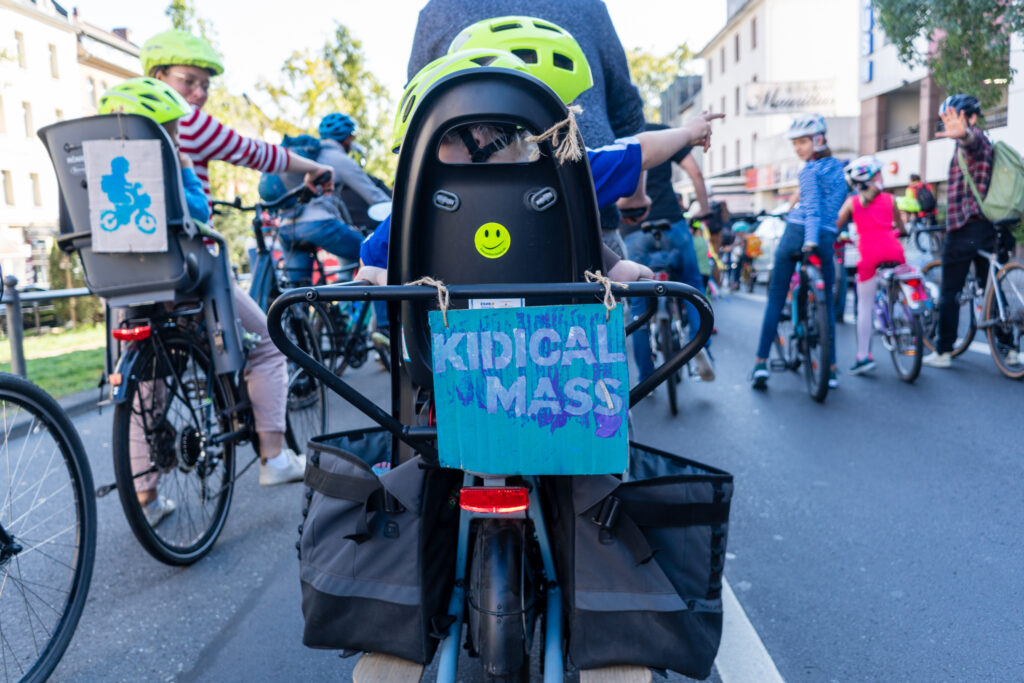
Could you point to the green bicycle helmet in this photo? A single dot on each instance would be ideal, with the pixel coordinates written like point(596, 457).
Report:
point(438, 69)
point(146, 96)
point(549, 51)
point(179, 47)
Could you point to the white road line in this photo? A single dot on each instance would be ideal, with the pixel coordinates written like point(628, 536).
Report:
point(980, 347)
point(742, 657)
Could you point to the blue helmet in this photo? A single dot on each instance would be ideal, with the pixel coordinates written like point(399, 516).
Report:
point(336, 126)
point(968, 104)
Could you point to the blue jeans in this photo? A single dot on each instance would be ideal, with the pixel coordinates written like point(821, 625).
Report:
point(782, 273)
point(639, 247)
point(332, 235)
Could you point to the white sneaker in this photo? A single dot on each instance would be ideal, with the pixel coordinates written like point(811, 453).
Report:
point(938, 360)
point(158, 510)
point(1012, 357)
point(704, 366)
point(284, 469)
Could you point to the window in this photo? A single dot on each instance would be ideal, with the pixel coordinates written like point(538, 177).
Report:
point(724, 162)
point(3, 120)
point(721, 58)
point(29, 128)
point(19, 41)
point(738, 153)
point(53, 61)
point(737, 100)
point(37, 198)
point(736, 46)
point(8, 188)
point(92, 91)
point(711, 69)
point(753, 146)
point(59, 114)
point(723, 105)
point(753, 33)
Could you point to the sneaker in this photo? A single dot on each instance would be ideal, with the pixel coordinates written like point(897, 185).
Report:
point(1012, 357)
point(938, 360)
point(158, 510)
point(705, 366)
point(760, 376)
point(284, 469)
point(833, 380)
point(862, 365)
point(381, 340)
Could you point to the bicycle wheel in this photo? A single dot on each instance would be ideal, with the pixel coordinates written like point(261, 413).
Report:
point(1006, 338)
point(816, 346)
point(306, 416)
point(47, 530)
point(328, 330)
point(784, 344)
point(666, 349)
point(175, 408)
point(906, 343)
point(967, 325)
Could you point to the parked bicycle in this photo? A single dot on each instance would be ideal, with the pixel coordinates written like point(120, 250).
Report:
point(804, 336)
point(997, 306)
point(900, 302)
point(47, 530)
point(928, 239)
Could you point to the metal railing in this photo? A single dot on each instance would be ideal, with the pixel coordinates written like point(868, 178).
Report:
point(12, 301)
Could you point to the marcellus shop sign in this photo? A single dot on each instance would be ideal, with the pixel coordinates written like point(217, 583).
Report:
point(790, 97)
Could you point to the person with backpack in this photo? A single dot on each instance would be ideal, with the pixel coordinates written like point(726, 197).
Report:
point(925, 196)
point(967, 229)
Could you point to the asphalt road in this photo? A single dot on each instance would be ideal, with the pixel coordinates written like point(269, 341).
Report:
point(875, 537)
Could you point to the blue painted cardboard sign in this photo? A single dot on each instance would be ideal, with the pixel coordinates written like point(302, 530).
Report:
point(533, 390)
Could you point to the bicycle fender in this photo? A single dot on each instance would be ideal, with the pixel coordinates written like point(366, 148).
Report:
point(125, 364)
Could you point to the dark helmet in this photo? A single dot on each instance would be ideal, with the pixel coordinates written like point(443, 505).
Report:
point(968, 104)
point(336, 126)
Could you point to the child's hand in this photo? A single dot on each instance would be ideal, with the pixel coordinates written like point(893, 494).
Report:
point(185, 160)
point(700, 127)
point(629, 271)
point(373, 274)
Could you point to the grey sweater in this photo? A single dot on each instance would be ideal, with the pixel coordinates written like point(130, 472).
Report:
point(612, 108)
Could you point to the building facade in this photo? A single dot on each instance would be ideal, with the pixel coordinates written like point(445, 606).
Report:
point(771, 62)
point(47, 58)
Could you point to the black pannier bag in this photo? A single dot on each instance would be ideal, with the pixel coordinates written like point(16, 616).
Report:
point(376, 553)
point(640, 561)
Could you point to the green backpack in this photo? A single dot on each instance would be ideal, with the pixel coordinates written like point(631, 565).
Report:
point(1005, 198)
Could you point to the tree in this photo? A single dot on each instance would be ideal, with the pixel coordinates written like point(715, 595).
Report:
point(964, 43)
point(653, 74)
point(334, 78)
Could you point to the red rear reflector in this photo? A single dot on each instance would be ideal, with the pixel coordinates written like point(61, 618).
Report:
point(662, 275)
point(815, 260)
point(129, 334)
point(494, 499)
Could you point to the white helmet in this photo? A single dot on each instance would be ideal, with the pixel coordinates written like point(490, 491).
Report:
point(809, 126)
point(862, 169)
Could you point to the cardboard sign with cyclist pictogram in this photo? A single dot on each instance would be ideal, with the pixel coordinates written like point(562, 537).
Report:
point(531, 390)
point(126, 195)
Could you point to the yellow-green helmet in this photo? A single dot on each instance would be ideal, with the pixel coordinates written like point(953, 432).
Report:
point(549, 51)
point(438, 69)
point(146, 96)
point(179, 47)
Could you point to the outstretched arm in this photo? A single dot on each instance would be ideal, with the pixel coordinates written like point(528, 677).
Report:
point(658, 146)
point(689, 164)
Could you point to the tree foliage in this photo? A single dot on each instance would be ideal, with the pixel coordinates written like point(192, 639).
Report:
point(965, 43)
point(653, 74)
point(334, 78)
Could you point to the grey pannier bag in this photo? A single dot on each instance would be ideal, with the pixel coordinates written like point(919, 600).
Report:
point(640, 561)
point(376, 553)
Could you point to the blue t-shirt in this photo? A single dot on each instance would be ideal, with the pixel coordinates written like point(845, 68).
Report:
point(822, 193)
point(615, 168)
point(195, 199)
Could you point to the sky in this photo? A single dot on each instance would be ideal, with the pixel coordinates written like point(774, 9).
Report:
point(256, 41)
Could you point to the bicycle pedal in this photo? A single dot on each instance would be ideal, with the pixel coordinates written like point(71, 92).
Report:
point(102, 491)
point(777, 365)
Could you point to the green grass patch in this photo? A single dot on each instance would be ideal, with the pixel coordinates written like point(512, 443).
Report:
point(67, 373)
point(57, 342)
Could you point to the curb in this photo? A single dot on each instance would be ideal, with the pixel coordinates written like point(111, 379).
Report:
point(81, 402)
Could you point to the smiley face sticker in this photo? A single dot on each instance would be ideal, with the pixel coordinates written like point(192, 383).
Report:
point(492, 240)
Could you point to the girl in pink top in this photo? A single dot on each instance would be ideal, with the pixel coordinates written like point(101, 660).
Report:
point(878, 223)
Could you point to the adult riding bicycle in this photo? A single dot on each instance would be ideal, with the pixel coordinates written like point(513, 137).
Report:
point(182, 405)
point(47, 530)
point(997, 306)
point(804, 335)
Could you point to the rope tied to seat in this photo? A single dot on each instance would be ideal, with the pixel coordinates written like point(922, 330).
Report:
point(606, 282)
point(442, 294)
point(564, 137)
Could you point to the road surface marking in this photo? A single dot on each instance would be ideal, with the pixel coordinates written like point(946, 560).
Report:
point(742, 656)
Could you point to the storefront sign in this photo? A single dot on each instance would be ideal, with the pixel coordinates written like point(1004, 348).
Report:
point(790, 97)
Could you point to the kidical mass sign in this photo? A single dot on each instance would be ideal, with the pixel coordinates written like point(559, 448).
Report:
point(534, 390)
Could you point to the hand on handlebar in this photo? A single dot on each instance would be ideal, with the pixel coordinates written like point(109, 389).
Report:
point(320, 180)
point(635, 204)
point(810, 247)
point(629, 271)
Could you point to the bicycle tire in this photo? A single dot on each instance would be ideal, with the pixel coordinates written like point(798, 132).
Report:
point(784, 344)
point(1011, 277)
point(306, 415)
point(184, 426)
point(816, 346)
point(33, 657)
point(906, 344)
point(967, 324)
point(666, 348)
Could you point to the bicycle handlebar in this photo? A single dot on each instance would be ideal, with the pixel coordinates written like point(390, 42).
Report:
point(417, 438)
point(302, 194)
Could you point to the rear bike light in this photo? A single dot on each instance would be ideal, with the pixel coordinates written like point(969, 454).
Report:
point(498, 500)
point(661, 275)
point(130, 334)
point(815, 260)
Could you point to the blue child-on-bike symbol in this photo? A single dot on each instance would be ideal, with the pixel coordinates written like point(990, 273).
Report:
point(127, 199)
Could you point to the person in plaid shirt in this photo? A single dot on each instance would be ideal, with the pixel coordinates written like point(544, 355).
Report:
point(967, 229)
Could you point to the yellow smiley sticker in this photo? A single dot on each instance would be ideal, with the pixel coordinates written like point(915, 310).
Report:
point(492, 240)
